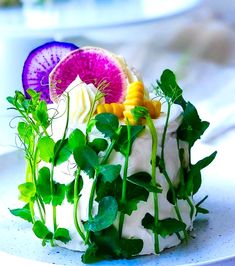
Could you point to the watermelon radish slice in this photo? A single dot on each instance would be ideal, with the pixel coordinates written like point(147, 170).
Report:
point(92, 65)
point(40, 63)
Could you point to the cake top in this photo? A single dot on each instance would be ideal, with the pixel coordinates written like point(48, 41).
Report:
point(97, 81)
point(95, 89)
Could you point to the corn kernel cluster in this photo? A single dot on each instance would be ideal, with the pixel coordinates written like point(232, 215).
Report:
point(134, 97)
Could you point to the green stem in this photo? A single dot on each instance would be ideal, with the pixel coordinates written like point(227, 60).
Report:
point(31, 208)
point(75, 207)
point(124, 180)
point(28, 120)
point(52, 193)
point(176, 207)
point(40, 211)
point(41, 204)
point(90, 206)
point(192, 208)
point(29, 176)
point(154, 181)
point(45, 132)
point(165, 130)
point(110, 148)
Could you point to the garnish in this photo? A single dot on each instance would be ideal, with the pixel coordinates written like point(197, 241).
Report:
point(116, 189)
point(92, 65)
point(40, 63)
point(190, 130)
point(139, 113)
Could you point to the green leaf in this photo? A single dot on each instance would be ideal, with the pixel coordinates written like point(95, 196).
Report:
point(19, 97)
point(164, 227)
point(169, 226)
point(62, 234)
point(27, 105)
point(42, 232)
point(70, 190)
point(134, 194)
point(143, 179)
point(131, 247)
point(170, 88)
point(11, 100)
point(201, 210)
point(91, 255)
point(46, 149)
point(121, 144)
point(25, 132)
point(43, 184)
point(194, 175)
point(170, 197)
point(44, 188)
point(192, 126)
point(23, 213)
point(139, 112)
point(35, 96)
point(204, 162)
point(99, 145)
point(27, 191)
point(41, 114)
point(62, 152)
point(148, 222)
point(76, 139)
point(107, 213)
point(59, 194)
point(85, 158)
point(109, 172)
point(107, 245)
point(107, 124)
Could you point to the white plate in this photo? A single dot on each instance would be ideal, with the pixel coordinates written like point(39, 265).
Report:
point(214, 242)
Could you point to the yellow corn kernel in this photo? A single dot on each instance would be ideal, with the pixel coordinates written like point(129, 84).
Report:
point(135, 94)
point(118, 109)
point(134, 97)
point(100, 109)
point(154, 108)
point(113, 108)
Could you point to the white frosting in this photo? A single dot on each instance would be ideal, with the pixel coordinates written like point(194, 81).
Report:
point(82, 97)
point(139, 161)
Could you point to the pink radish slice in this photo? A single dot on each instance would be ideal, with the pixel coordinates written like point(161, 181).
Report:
point(40, 63)
point(93, 65)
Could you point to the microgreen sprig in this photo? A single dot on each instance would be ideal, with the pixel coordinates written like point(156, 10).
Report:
point(124, 182)
point(138, 113)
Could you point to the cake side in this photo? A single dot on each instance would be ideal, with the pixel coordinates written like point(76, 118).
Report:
point(139, 161)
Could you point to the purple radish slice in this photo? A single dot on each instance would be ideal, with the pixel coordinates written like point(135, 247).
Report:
point(93, 65)
point(39, 65)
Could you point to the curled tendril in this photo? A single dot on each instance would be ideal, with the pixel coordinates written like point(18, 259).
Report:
point(42, 84)
point(12, 120)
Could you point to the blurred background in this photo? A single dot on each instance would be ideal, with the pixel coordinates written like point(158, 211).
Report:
point(196, 39)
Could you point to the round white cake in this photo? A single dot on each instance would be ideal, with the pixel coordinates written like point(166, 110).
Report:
point(108, 163)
